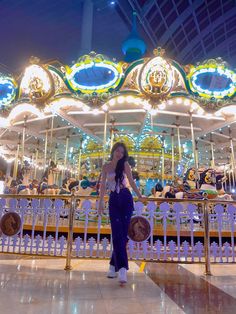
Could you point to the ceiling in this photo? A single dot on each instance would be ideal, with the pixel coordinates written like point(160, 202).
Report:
point(190, 31)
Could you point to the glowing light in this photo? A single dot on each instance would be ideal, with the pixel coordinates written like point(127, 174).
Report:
point(120, 99)
point(186, 102)
point(105, 107)
point(95, 111)
point(36, 82)
point(209, 115)
point(153, 111)
point(194, 106)
point(129, 99)
point(112, 102)
point(4, 123)
point(156, 77)
point(200, 111)
point(146, 105)
point(179, 100)
point(170, 102)
point(162, 106)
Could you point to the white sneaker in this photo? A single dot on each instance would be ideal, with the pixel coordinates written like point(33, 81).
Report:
point(111, 272)
point(122, 275)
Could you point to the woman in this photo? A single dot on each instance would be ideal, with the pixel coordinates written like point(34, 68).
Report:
point(115, 173)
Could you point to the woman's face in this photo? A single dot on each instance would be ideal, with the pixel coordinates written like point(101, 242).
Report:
point(118, 153)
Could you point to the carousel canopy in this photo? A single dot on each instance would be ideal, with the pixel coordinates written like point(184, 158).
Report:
point(171, 97)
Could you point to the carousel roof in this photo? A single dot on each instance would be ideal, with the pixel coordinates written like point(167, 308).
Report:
point(55, 100)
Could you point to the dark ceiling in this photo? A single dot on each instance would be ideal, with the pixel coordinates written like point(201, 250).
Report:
point(190, 31)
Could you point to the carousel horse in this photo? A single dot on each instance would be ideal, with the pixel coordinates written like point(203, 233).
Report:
point(65, 187)
point(47, 185)
point(190, 179)
point(212, 185)
point(10, 186)
point(23, 179)
point(207, 180)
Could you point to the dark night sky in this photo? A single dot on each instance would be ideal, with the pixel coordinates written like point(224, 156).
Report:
point(189, 30)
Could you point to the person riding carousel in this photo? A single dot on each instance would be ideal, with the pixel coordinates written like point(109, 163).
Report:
point(47, 185)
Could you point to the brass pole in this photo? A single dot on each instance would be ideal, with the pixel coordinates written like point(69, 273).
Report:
point(70, 232)
point(196, 151)
point(23, 141)
point(45, 150)
point(179, 144)
point(173, 155)
point(36, 162)
point(193, 140)
point(232, 157)
point(163, 161)
point(104, 138)
point(79, 159)
point(206, 239)
point(65, 159)
point(51, 131)
point(16, 161)
point(212, 152)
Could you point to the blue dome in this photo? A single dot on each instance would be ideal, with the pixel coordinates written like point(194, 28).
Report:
point(134, 46)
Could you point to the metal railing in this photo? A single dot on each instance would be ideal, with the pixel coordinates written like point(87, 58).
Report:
point(189, 225)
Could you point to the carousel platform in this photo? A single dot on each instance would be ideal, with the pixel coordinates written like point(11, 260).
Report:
point(92, 228)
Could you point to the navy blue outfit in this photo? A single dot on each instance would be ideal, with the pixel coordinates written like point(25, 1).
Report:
point(121, 207)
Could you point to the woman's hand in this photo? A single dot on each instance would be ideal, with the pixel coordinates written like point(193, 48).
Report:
point(140, 198)
point(101, 207)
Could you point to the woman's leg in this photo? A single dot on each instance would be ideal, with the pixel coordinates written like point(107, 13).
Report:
point(120, 209)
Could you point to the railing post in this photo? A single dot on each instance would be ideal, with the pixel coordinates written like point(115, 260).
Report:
point(206, 239)
point(70, 232)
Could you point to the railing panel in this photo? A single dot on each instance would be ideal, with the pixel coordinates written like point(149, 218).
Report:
point(177, 229)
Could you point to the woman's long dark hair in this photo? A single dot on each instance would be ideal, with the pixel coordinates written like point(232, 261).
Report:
point(121, 163)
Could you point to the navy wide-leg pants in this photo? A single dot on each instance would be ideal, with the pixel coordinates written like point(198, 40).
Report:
point(120, 210)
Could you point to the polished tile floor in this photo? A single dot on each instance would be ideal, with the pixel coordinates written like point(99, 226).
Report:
point(40, 285)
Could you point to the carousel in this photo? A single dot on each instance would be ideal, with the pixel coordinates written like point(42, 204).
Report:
point(58, 124)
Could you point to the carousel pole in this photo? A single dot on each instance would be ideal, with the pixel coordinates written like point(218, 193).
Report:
point(15, 168)
point(36, 161)
point(229, 172)
point(193, 140)
point(51, 131)
point(163, 161)
point(23, 140)
point(79, 160)
point(55, 154)
point(196, 149)
point(55, 162)
point(178, 136)
point(105, 138)
point(212, 152)
point(172, 154)
point(225, 183)
point(232, 157)
point(66, 153)
point(45, 150)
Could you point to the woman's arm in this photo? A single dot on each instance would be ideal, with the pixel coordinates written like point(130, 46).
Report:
point(131, 180)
